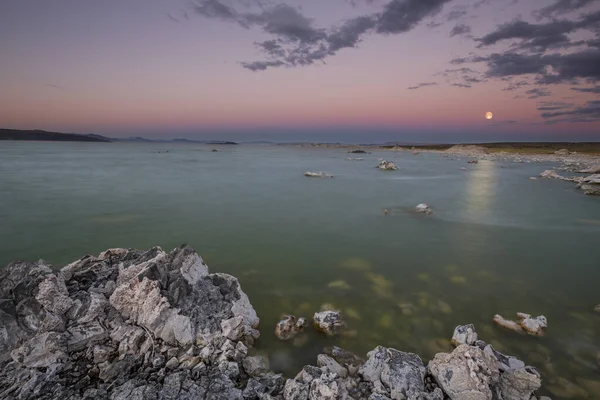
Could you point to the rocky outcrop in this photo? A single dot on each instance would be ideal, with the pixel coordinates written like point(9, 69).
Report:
point(528, 324)
point(146, 324)
point(590, 185)
point(468, 149)
point(387, 166)
point(317, 175)
point(591, 169)
point(562, 152)
point(132, 324)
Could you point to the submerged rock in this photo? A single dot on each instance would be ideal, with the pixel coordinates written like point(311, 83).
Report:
point(423, 208)
point(533, 326)
point(329, 322)
point(387, 166)
point(473, 162)
point(289, 327)
point(597, 309)
point(317, 175)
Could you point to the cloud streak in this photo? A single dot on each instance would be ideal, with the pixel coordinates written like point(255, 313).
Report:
point(422, 84)
point(298, 42)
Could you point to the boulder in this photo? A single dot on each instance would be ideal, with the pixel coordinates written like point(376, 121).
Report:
point(329, 322)
point(387, 166)
point(256, 365)
point(464, 334)
point(289, 327)
point(590, 185)
point(465, 374)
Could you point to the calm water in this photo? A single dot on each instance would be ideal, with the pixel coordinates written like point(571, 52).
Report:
point(497, 242)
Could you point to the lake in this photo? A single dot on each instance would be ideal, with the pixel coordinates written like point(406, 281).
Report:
point(497, 241)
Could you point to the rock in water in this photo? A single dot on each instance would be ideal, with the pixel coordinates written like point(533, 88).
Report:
point(329, 322)
point(423, 208)
point(597, 309)
point(533, 326)
point(590, 185)
point(387, 166)
point(464, 334)
point(473, 162)
point(289, 327)
point(317, 175)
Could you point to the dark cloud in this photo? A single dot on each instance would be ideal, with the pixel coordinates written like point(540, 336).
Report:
point(422, 84)
point(399, 16)
point(537, 92)
point(595, 89)
point(548, 69)
point(462, 85)
point(587, 113)
point(297, 42)
point(562, 7)
point(460, 29)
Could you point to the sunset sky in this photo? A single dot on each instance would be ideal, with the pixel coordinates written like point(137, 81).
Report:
point(286, 70)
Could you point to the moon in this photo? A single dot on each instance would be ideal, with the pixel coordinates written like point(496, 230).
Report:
point(489, 115)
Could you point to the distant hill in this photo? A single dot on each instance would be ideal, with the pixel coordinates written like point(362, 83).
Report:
point(16, 134)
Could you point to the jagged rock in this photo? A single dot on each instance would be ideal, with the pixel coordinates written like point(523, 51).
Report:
point(324, 388)
point(423, 208)
point(42, 350)
point(328, 322)
point(533, 326)
point(387, 166)
point(294, 390)
point(464, 334)
point(394, 373)
point(289, 327)
point(317, 174)
point(331, 365)
point(256, 365)
point(519, 384)
point(466, 374)
point(258, 387)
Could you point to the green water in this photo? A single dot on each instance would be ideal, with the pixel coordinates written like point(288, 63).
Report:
point(496, 243)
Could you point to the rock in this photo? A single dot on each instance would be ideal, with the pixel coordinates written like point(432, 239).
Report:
point(289, 327)
point(423, 208)
point(53, 295)
point(214, 150)
point(331, 365)
point(533, 326)
point(466, 373)
point(42, 351)
point(597, 308)
point(173, 363)
point(328, 322)
point(590, 185)
point(387, 166)
point(294, 390)
point(358, 151)
point(324, 388)
point(256, 365)
point(317, 175)
point(562, 152)
point(594, 169)
point(519, 384)
point(473, 162)
point(266, 385)
point(513, 326)
point(393, 373)
point(464, 334)
point(341, 284)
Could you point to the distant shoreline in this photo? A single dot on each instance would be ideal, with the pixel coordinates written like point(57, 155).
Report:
point(494, 147)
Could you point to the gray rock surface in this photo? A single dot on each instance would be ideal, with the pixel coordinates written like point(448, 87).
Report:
point(387, 166)
point(464, 334)
point(289, 327)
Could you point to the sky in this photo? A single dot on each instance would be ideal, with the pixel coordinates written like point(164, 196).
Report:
point(359, 71)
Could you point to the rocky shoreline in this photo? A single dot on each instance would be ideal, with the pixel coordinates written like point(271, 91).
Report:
point(132, 324)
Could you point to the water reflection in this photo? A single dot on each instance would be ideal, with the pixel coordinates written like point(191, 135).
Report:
point(481, 187)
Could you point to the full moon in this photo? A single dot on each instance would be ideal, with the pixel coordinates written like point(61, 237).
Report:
point(488, 115)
